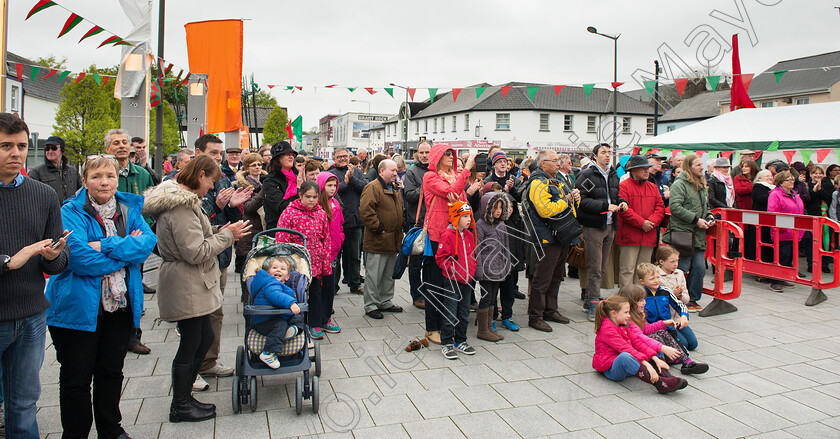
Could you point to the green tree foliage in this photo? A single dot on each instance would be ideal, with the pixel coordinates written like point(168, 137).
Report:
point(52, 62)
point(275, 126)
point(265, 99)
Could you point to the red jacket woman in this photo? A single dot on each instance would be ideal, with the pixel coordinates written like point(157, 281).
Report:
point(644, 203)
point(442, 180)
point(743, 192)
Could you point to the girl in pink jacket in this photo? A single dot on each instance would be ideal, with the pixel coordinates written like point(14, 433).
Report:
point(621, 352)
point(328, 184)
point(306, 216)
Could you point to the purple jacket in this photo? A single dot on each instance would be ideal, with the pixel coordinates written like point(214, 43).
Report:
point(783, 202)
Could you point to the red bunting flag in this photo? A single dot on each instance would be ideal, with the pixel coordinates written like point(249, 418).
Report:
point(52, 72)
point(616, 84)
point(71, 22)
point(455, 93)
point(167, 69)
point(699, 153)
point(726, 154)
point(557, 89)
point(680, 83)
point(19, 71)
point(789, 154)
point(105, 80)
point(330, 86)
point(370, 90)
point(411, 93)
point(636, 150)
point(270, 86)
point(505, 90)
point(80, 77)
point(40, 6)
point(746, 79)
point(110, 40)
point(675, 152)
point(93, 31)
point(822, 154)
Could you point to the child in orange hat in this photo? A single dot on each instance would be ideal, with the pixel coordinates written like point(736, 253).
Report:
point(456, 258)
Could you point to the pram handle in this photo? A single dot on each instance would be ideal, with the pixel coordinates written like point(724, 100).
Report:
point(267, 310)
point(275, 230)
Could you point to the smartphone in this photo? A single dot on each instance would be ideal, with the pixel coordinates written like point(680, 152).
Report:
point(481, 162)
point(63, 235)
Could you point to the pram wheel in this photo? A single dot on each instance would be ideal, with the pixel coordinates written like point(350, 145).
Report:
point(298, 395)
point(317, 351)
point(314, 394)
point(235, 388)
point(252, 401)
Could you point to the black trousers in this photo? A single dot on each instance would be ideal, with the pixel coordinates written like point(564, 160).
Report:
point(415, 277)
point(316, 301)
point(434, 281)
point(97, 357)
point(196, 338)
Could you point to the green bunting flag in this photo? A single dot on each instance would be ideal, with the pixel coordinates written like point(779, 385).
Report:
point(93, 31)
point(71, 22)
point(291, 87)
point(40, 6)
point(34, 74)
point(63, 75)
point(532, 90)
point(779, 74)
point(650, 86)
point(479, 91)
point(713, 82)
point(644, 151)
point(664, 152)
point(390, 91)
point(588, 89)
point(352, 89)
point(806, 155)
point(774, 146)
point(713, 154)
point(432, 93)
point(109, 40)
point(97, 79)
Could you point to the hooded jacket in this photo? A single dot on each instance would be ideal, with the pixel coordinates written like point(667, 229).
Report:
point(189, 246)
point(250, 211)
point(612, 340)
point(267, 290)
point(220, 217)
point(546, 198)
point(75, 294)
point(783, 202)
point(350, 194)
point(382, 215)
point(413, 182)
point(644, 202)
point(436, 189)
point(314, 225)
point(64, 179)
point(492, 255)
point(337, 221)
point(456, 253)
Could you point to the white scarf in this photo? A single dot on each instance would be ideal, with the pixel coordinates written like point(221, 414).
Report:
point(113, 285)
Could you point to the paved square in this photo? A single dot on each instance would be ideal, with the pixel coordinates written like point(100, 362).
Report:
point(775, 372)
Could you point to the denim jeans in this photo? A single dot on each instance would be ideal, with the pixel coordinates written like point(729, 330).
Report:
point(695, 266)
point(623, 366)
point(22, 352)
point(457, 318)
point(350, 258)
point(686, 337)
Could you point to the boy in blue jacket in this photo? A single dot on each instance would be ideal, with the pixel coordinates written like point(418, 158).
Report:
point(269, 288)
point(659, 302)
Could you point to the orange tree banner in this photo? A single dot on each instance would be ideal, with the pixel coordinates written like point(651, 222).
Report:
point(215, 48)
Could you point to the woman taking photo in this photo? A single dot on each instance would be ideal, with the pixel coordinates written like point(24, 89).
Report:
point(281, 184)
point(690, 217)
point(783, 199)
point(97, 302)
point(189, 275)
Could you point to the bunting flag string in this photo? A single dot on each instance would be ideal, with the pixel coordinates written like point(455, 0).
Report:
point(71, 22)
point(432, 93)
point(806, 155)
point(778, 74)
point(479, 91)
point(789, 154)
point(650, 86)
point(74, 20)
point(390, 91)
point(557, 89)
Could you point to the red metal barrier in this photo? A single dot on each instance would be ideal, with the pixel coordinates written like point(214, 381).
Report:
point(775, 223)
point(718, 254)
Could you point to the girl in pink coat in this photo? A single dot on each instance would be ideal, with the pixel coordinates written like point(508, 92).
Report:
point(305, 215)
point(328, 184)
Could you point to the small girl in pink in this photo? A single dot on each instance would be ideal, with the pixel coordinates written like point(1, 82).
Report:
point(328, 184)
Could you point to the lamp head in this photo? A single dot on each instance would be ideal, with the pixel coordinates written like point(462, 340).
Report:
point(392, 84)
point(592, 30)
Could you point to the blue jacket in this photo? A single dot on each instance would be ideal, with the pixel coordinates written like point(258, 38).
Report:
point(75, 295)
point(267, 290)
point(657, 305)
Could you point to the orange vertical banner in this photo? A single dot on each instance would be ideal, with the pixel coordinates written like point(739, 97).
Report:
point(215, 48)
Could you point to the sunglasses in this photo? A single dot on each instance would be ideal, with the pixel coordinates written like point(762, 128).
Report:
point(449, 154)
point(51, 147)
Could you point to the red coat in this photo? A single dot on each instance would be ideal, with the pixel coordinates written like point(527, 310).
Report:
point(644, 203)
point(612, 340)
point(450, 255)
point(743, 192)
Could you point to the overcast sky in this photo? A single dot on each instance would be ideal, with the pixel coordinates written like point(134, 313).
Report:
point(444, 44)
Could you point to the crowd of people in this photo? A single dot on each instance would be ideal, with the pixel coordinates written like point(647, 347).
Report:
point(483, 219)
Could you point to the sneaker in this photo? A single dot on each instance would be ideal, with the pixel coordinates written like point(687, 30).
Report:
point(590, 314)
point(448, 352)
point(270, 359)
point(493, 325)
point(316, 333)
point(694, 367)
point(219, 370)
point(510, 325)
point(465, 348)
point(776, 287)
point(694, 307)
point(199, 385)
point(330, 328)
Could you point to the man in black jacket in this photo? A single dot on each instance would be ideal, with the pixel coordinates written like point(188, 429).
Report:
point(599, 204)
point(56, 171)
point(413, 182)
point(351, 183)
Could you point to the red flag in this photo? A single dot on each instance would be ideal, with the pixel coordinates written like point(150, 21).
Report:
point(455, 93)
point(616, 84)
point(371, 90)
point(505, 90)
point(746, 79)
point(680, 83)
point(636, 150)
point(19, 71)
point(557, 89)
point(290, 131)
point(738, 94)
point(411, 93)
point(105, 80)
point(726, 154)
point(52, 72)
point(330, 86)
point(822, 154)
point(699, 153)
point(789, 154)
point(270, 86)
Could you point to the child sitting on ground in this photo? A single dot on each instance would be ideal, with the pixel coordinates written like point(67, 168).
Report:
point(620, 352)
point(269, 288)
point(670, 276)
point(673, 351)
point(659, 302)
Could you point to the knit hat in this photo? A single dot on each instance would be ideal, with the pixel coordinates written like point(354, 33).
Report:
point(459, 209)
point(496, 157)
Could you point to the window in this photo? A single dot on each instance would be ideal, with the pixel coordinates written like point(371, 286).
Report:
point(543, 121)
point(626, 125)
point(466, 122)
point(568, 122)
point(15, 91)
point(650, 126)
point(591, 124)
point(435, 126)
point(442, 124)
point(454, 123)
point(416, 127)
point(767, 104)
point(670, 128)
point(803, 101)
point(426, 126)
point(502, 121)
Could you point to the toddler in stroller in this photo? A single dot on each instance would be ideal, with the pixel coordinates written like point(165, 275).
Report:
point(268, 288)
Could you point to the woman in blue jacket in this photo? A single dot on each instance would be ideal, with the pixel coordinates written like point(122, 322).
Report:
point(98, 300)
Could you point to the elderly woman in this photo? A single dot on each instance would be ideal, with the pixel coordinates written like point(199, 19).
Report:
point(721, 188)
point(783, 199)
point(189, 275)
point(280, 186)
point(97, 302)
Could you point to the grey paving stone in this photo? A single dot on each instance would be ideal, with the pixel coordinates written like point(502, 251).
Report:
point(477, 374)
point(614, 409)
point(391, 409)
point(508, 352)
point(789, 409)
point(433, 429)
point(579, 434)
point(437, 403)
point(284, 423)
point(596, 384)
point(397, 383)
point(395, 431)
point(49, 420)
point(480, 398)
point(441, 378)
point(778, 434)
point(250, 425)
point(754, 384)
point(813, 430)
point(357, 387)
point(155, 410)
point(477, 425)
point(539, 348)
point(514, 371)
point(530, 421)
point(560, 388)
point(625, 430)
point(573, 415)
point(813, 373)
point(549, 367)
point(816, 400)
point(717, 424)
point(660, 425)
point(651, 402)
point(521, 393)
point(724, 391)
point(754, 416)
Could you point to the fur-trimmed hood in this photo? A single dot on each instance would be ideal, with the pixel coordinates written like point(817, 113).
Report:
point(245, 182)
point(488, 201)
point(167, 196)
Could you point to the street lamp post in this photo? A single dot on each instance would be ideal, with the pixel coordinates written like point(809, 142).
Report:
point(369, 121)
point(405, 119)
point(592, 30)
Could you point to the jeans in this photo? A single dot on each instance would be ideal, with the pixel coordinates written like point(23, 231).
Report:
point(274, 329)
point(456, 321)
point(415, 277)
point(623, 366)
point(350, 258)
point(434, 281)
point(695, 266)
point(92, 356)
point(22, 353)
point(686, 337)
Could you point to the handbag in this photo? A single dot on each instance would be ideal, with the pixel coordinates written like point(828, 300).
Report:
point(577, 255)
point(416, 240)
point(564, 227)
point(683, 242)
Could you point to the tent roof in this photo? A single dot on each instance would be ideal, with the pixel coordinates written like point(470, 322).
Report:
point(794, 127)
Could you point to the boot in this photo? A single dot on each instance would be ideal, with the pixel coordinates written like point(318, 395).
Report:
point(484, 331)
point(492, 326)
point(182, 407)
point(201, 405)
point(666, 382)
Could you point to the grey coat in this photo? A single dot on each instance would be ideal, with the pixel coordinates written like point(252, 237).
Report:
point(413, 182)
point(492, 254)
point(64, 180)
